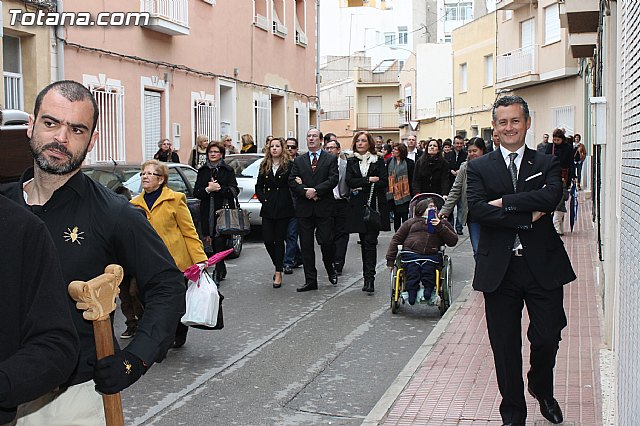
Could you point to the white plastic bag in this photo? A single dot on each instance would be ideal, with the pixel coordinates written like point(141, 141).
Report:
point(203, 301)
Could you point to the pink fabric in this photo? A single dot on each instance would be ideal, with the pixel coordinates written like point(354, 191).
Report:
point(192, 273)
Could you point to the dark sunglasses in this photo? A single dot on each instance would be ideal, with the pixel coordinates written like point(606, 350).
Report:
point(291, 147)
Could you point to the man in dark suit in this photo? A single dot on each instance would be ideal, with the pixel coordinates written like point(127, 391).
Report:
point(312, 179)
point(341, 194)
point(521, 259)
point(456, 157)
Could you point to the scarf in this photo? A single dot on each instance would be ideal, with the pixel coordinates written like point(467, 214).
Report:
point(365, 161)
point(398, 182)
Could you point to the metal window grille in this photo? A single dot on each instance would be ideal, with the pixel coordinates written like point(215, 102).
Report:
point(13, 92)
point(262, 119)
point(111, 142)
point(204, 113)
point(564, 118)
point(152, 123)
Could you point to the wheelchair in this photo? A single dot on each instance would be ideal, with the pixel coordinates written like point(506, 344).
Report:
point(444, 281)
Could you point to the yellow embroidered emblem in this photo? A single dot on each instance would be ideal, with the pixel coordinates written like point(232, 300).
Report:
point(127, 366)
point(73, 235)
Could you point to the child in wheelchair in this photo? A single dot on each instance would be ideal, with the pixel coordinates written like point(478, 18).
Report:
point(421, 238)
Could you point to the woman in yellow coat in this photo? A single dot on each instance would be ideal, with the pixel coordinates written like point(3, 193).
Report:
point(169, 215)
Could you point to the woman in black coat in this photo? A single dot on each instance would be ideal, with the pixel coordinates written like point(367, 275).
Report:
point(216, 186)
point(166, 153)
point(432, 171)
point(364, 169)
point(272, 189)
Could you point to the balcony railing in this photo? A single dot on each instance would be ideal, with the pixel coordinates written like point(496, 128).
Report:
point(12, 90)
point(517, 63)
point(335, 115)
point(513, 4)
point(390, 120)
point(389, 76)
point(167, 16)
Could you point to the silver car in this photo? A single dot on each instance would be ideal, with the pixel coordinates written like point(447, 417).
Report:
point(247, 167)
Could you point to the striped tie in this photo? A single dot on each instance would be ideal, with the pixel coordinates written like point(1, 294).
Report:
point(314, 162)
point(514, 179)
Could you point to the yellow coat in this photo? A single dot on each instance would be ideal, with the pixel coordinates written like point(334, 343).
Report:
point(171, 219)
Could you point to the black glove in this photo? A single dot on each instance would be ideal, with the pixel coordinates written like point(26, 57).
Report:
point(117, 372)
point(7, 415)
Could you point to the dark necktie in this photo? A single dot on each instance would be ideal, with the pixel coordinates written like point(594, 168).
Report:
point(514, 179)
point(314, 162)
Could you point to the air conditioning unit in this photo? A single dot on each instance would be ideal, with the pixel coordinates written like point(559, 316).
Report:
point(279, 29)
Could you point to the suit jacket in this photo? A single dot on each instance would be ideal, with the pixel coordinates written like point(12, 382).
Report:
point(539, 189)
point(274, 193)
point(171, 219)
point(323, 180)
point(356, 181)
point(451, 158)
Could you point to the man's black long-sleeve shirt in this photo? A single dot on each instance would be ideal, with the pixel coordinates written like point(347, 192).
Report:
point(93, 227)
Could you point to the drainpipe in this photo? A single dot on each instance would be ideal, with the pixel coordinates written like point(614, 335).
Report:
point(318, 63)
point(59, 34)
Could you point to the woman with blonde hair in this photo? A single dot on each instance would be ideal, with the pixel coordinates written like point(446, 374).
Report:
point(169, 215)
point(199, 152)
point(248, 147)
point(229, 147)
point(272, 189)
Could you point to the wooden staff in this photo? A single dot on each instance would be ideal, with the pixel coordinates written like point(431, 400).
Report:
point(97, 298)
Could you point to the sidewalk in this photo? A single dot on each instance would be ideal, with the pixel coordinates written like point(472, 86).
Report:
point(451, 380)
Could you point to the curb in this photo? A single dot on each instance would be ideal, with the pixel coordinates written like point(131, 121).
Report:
point(379, 411)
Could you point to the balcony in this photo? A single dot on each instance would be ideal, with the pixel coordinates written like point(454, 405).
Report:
point(580, 16)
point(517, 68)
point(379, 121)
point(582, 19)
point(378, 76)
point(167, 16)
point(335, 115)
point(513, 4)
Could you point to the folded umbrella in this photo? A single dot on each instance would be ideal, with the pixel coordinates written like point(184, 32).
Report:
point(573, 206)
point(192, 273)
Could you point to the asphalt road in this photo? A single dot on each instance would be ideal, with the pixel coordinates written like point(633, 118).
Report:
point(288, 358)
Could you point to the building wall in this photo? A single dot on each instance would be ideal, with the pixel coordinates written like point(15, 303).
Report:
point(434, 68)
point(35, 54)
point(223, 49)
point(471, 44)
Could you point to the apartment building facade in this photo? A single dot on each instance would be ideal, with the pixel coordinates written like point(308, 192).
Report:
point(474, 46)
point(196, 67)
point(28, 56)
point(534, 61)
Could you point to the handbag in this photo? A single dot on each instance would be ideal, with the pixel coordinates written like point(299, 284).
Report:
point(371, 216)
point(204, 304)
point(232, 221)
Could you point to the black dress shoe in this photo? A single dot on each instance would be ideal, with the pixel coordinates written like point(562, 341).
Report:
point(333, 278)
point(338, 268)
point(513, 424)
point(288, 270)
point(459, 232)
point(549, 408)
point(307, 287)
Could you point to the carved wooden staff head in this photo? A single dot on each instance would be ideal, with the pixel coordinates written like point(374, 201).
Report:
point(97, 297)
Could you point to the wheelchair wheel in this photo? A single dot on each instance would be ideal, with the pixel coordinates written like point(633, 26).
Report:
point(396, 288)
point(446, 285)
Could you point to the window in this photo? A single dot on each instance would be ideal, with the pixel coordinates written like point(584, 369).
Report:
point(507, 15)
point(204, 116)
point(403, 35)
point(261, 118)
point(488, 70)
point(461, 11)
point(527, 34)
point(152, 102)
point(12, 72)
point(551, 24)
point(447, 38)
point(564, 118)
point(110, 145)
point(463, 77)
point(301, 121)
point(389, 39)
point(407, 108)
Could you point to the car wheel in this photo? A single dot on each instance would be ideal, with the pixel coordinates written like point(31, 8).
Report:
point(236, 245)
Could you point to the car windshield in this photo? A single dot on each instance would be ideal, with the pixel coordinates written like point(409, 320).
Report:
point(112, 178)
point(245, 167)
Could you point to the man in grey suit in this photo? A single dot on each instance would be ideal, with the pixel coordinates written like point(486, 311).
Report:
point(341, 194)
point(312, 179)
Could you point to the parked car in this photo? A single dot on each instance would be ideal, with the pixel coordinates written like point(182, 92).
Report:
point(182, 178)
point(246, 167)
point(14, 145)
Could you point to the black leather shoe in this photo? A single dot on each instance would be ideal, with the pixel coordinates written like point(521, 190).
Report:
point(333, 278)
point(288, 270)
point(338, 268)
point(459, 232)
point(549, 408)
point(307, 287)
point(370, 288)
point(513, 424)
point(365, 286)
